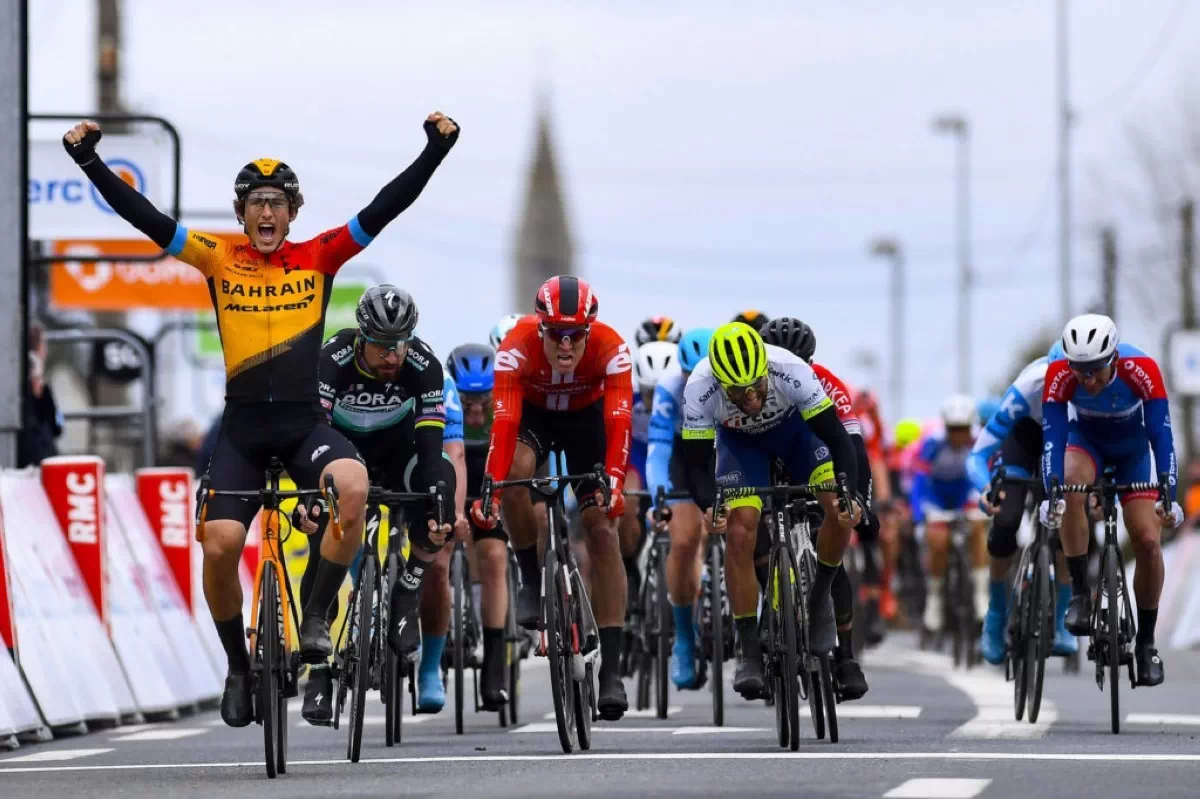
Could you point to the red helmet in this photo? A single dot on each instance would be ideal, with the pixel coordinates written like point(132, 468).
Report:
point(565, 301)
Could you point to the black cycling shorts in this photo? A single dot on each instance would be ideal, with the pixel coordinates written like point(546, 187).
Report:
point(296, 433)
point(1023, 453)
point(580, 434)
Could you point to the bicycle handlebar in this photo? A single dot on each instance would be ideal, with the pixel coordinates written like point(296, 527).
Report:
point(270, 496)
point(662, 512)
point(784, 492)
point(436, 494)
point(549, 487)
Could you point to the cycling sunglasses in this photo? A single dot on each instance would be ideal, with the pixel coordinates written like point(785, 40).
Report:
point(1084, 371)
point(560, 334)
point(739, 394)
point(389, 346)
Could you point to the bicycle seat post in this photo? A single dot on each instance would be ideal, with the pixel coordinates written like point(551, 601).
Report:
point(274, 475)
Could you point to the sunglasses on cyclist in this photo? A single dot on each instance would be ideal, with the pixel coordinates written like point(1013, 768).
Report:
point(561, 334)
point(389, 346)
point(277, 202)
point(1085, 371)
point(739, 394)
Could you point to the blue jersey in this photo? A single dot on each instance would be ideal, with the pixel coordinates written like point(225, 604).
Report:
point(1023, 400)
point(454, 413)
point(666, 420)
point(1117, 420)
point(940, 477)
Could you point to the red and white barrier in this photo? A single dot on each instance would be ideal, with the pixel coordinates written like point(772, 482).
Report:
point(53, 613)
point(199, 677)
point(18, 713)
point(128, 612)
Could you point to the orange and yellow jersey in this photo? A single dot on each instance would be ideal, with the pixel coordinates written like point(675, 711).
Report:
point(270, 308)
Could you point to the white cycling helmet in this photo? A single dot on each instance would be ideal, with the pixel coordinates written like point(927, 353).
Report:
point(502, 329)
point(958, 410)
point(1090, 340)
point(651, 362)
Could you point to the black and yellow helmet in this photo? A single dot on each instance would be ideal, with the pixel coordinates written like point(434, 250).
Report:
point(737, 354)
point(267, 172)
point(756, 319)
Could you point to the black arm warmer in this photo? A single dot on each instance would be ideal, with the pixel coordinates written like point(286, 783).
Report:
point(401, 192)
point(698, 471)
point(828, 428)
point(428, 443)
point(131, 205)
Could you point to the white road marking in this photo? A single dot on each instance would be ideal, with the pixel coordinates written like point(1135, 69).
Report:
point(648, 713)
point(987, 689)
point(128, 728)
point(1108, 757)
point(545, 726)
point(857, 711)
point(1163, 718)
point(938, 789)
point(162, 734)
point(371, 721)
point(54, 754)
point(716, 730)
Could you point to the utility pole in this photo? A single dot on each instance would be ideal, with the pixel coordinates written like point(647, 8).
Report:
point(890, 249)
point(1187, 297)
point(958, 127)
point(1108, 249)
point(1063, 114)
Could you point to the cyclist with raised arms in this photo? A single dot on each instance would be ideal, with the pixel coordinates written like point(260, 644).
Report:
point(664, 469)
point(471, 367)
point(757, 403)
point(1121, 415)
point(799, 339)
point(1012, 438)
point(563, 382)
point(270, 297)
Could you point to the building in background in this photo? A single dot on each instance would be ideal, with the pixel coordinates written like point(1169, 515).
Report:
point(543, 247)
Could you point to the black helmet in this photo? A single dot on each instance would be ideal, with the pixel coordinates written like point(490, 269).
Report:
point(793, 335)
point(756, 319)
point(386, 313)
point(267, 172)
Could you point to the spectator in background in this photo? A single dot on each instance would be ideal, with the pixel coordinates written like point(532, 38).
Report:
point(41, 421)
point(182, 444)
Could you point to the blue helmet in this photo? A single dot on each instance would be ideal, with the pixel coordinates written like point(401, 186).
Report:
point(987, 408)
point(693, 347)
point(471, 367)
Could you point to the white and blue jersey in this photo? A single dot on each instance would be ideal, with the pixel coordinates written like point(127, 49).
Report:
point(940, 477)
point(666, 421)
point(1020, 408)
point(454, 412)
point(639, 436)
point(1118, 426)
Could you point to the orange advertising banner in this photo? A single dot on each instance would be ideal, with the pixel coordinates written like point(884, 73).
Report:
point(123, 285)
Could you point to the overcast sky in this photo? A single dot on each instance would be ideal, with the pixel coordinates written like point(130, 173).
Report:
point(714, 156)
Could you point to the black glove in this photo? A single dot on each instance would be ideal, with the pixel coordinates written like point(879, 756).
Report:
point(316, 510)
point(84, 152)
point(437, 139)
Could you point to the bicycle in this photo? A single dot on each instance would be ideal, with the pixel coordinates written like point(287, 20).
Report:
point(569, 637)
point(359, 663)
point(793, 671)
point(958, 591)
point(653, 621)
point(274, 659)
point(1110, 642)
point(1030, 630)
point(716, 624)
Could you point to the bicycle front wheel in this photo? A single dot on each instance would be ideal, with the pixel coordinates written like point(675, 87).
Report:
point(663, 636)
point(393, 675)
point(1112, 589)
point(359, 667)
point(1019, 626)
point(458, 588)
point(716, 652)
point(513, 645)
point(787, 650)
point(1041, 631)
point(559, 650)
point(269, 684)
point(828, 697)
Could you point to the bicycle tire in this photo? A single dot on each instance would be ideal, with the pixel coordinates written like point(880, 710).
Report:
point(773, 683)
point(858, 632)
point(281, 741)
point(716, 604)
point(458, 592)
point(513, 649)
point(1017, 644)
point(1112, 588)
point(810, 686)
point(584, 689)
point(1042, 628)
point(557, 650)
point(268, 675)
point(789, 658)
point(393, 675)
point(829, 699)
point(360, 644)
point(663, 641)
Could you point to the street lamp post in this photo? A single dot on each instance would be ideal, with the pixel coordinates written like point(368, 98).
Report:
point(957, 126)
point(890, 249)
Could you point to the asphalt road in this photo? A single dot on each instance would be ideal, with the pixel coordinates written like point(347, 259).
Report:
point(924, 730)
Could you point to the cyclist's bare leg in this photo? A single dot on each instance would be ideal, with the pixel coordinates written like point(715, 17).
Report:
point(492, 558)
point(630, 527)
point(683, 559)
point(608, 572)
point(1145, 534)
point(520, 518)
point(222, 547)
point(741, 535)
point(832, 538)
point(350, 478)
point(937, 543)
point(1075, 525)
point(435, 593)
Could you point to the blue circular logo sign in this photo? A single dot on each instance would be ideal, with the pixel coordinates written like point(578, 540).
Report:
point(127, 171)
